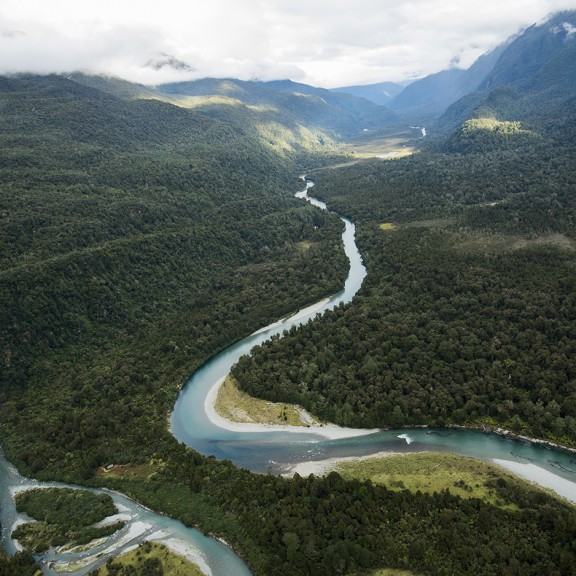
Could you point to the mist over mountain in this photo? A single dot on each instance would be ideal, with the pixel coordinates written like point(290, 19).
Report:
point(434, 93)
point(382, 93)
point(543, 54)
point(538, 60)
point(532, 82)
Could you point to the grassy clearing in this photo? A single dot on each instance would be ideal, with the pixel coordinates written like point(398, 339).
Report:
point(151, 558)
point(388, 226)
point(500, 243)
point(430, 472)
point(372, 144)
point(130, 471)
point(237, 406)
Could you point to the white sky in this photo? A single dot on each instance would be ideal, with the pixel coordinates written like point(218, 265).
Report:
point(321, 42)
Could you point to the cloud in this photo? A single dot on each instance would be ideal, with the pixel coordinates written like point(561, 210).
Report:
point(323, 42)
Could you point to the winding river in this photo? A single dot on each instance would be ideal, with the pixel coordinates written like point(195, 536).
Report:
point(278, 449)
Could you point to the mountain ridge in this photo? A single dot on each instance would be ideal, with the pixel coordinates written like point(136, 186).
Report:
point(340, 115)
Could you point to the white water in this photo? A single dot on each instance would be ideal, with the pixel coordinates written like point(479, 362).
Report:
point(405, 437)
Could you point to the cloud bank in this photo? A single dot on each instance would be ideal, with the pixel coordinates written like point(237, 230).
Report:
point(321, 42)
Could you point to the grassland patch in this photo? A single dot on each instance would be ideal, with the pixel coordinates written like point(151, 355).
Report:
point(371, 144)
point(431, 472)
point(237, 406)
point(129, 471)
point(148, 557)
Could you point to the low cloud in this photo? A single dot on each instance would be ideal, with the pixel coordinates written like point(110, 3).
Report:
point(323, 42)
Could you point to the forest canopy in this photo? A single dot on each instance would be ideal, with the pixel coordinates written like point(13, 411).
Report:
point(139, 238)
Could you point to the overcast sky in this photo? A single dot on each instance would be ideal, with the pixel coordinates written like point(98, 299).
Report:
point(326, 43)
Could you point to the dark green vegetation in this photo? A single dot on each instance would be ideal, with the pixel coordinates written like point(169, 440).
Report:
point(333, 526)
point(64, 516)
point(139, 237)
point(21, 564)
point(467, 313)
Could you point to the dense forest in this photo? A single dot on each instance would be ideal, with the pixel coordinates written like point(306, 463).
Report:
point(21, 564)
point(140, 236)
point(131, 253)
point(467, 313)
point(332, 526)
point(63, 516)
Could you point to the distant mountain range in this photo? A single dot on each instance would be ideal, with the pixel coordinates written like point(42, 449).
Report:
point(434, 93)
point(339, 115)
point(532, 84)
point(530, 78)
point(540, 61)
point(382, 93)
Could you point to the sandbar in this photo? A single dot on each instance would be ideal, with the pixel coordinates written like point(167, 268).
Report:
point(330, 431)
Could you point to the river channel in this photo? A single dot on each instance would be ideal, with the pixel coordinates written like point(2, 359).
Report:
point(277, 450)
point(140, 524)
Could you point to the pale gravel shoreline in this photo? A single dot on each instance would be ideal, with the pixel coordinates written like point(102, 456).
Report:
point(330, 431)
point(335, 432)
point(322, 467)
point(562, 487)
point(184, 550)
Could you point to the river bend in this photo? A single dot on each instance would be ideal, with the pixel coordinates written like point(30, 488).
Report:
point(271, 448)
point(274, 449)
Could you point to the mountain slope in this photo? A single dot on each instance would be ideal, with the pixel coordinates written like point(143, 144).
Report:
point(533, 82)
point(434, 93)
point(126, 225)
point(381, 93)
point(291, 104)
point(130, 257)
point(532, 52)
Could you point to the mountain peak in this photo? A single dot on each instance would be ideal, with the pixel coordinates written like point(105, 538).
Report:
point(166, 61)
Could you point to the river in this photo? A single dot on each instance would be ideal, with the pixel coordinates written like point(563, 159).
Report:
point(141, 524)
point(278, 449)
point(268, 448)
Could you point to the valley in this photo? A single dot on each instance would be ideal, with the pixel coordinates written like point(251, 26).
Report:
point(149, 234)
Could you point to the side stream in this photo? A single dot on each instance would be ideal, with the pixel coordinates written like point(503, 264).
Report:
point(276, 449)
point(141, 524)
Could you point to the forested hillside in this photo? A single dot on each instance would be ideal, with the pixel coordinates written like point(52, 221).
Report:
point(322, 112)
point(142, 232)
point(529, 91)
point(137, 239)
point(467, 313)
